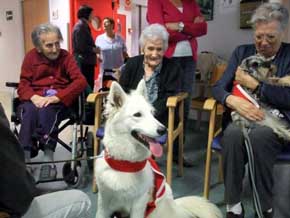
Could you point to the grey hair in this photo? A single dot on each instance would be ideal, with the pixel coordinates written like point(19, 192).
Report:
point(271, 12)
point(44, 29)
point(153, 32)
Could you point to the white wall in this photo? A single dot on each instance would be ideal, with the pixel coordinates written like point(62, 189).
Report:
point(11, 42)
point(59, 15)
point(224, 33)
point(140, 2)
point(121, 10)
point(136, 27)
point(11, 38)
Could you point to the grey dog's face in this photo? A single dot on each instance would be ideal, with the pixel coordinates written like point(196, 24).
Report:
point(259, 67)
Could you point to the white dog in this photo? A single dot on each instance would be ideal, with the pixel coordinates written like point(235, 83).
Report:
point(124, 175)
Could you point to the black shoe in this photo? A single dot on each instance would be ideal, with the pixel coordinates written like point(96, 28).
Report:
point(186, 163)
point(232, 215)
point(266, 214)
point(33, 152)
point(34, 149)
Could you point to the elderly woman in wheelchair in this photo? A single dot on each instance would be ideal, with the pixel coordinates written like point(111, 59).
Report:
point(50, 82)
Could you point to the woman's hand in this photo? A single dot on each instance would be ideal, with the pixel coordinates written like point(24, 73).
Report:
point(175, 25)
point(40, 101)
point(198, 19)
point(245, 108)
point(172, 26)
point(245, 79)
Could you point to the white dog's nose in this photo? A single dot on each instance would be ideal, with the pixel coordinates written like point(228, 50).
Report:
point(161, 130)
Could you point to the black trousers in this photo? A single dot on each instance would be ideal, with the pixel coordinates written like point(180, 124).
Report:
point(88, 70)
point(266, 146)
point(42, 122)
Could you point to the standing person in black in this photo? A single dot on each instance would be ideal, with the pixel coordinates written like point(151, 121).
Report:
point(84, 48)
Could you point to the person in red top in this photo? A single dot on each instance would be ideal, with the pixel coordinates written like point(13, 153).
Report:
point(184, 23)
point(50, 82)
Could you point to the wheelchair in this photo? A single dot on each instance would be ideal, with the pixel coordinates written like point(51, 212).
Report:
point(74, 171)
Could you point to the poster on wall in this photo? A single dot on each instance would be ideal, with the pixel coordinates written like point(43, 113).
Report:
point(247, 8)
point(206, 8)
point(226, 6)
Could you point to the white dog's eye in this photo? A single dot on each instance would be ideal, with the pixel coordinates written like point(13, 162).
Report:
point(138, 114)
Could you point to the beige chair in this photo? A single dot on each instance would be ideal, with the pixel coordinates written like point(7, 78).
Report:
point(197, 103)
point(174, 131)
point(208, 104)
point(214, 146)
point(214, 129)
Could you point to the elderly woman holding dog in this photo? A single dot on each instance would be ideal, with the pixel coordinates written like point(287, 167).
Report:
point(269, 23)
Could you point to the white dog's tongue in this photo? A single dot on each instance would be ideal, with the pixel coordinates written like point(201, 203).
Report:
point(156, 149)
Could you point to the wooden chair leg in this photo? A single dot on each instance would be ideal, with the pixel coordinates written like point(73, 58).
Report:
point(172, 103)
point(96, 147)
point(170, 140)
point(207, 174)
point(180, 131)
point(96, 140)
point(169, 162)
point(97, 99)
point(209, 154)
point(180, 153)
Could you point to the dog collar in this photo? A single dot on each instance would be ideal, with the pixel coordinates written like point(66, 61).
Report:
point(129, 167)
point(124, 165)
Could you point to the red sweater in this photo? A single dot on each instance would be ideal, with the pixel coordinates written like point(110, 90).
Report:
point(163, 11)
point(39, 74)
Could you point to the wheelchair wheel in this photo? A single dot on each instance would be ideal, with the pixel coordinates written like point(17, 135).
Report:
point(73, 177)
point(90, 149)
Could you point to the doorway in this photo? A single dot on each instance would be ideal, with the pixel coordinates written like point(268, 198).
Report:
point(34, 13)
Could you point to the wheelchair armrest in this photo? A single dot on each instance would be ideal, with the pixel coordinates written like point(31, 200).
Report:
point(172, 101)
point(12, 84)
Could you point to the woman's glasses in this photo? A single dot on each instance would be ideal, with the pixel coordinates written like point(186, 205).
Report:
point(270, 38)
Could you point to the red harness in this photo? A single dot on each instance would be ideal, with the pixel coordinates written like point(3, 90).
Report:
point(131, 167)
point(240, 92)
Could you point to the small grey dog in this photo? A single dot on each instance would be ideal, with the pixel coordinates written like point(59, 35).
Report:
point(264, 71)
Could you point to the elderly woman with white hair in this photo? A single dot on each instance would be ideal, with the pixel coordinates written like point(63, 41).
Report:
point(269, 22)
point(162, 75)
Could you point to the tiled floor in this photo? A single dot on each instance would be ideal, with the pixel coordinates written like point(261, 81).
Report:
point(192, 181)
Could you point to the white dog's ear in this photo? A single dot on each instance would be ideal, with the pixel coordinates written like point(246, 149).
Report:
point(141, 88)
point(116, 95)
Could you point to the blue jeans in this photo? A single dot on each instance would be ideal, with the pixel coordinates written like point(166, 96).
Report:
point(188, 66)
